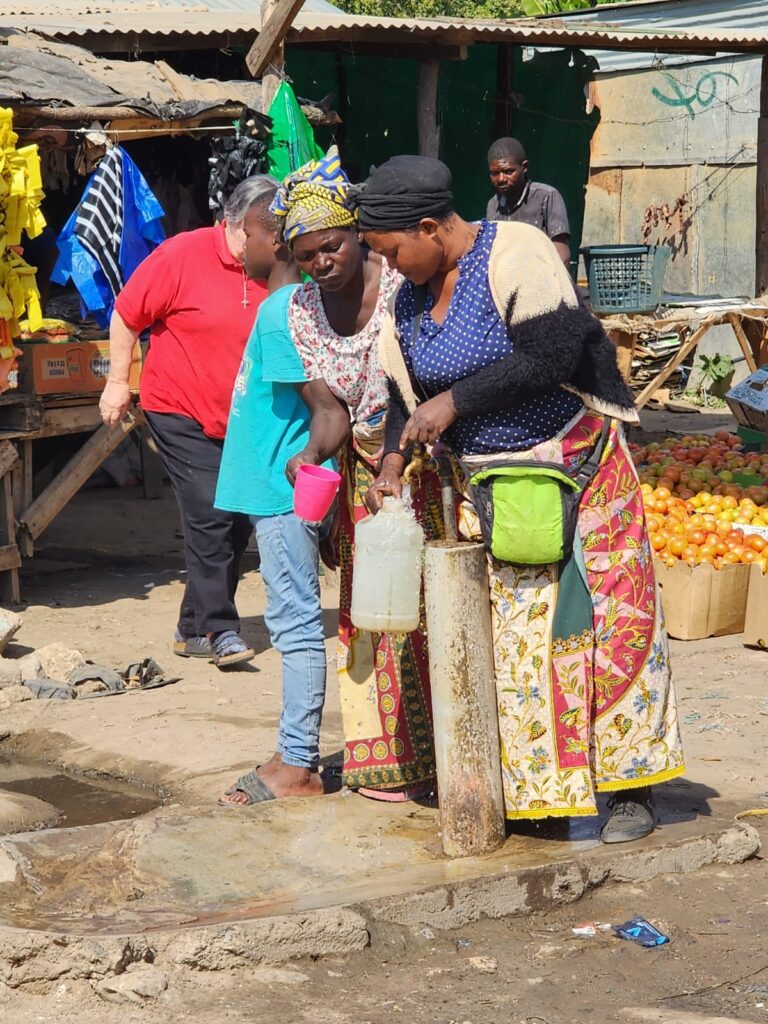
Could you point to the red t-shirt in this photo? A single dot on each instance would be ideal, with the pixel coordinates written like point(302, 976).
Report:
point(189, 291)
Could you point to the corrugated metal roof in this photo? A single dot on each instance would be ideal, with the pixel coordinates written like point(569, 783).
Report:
point(571, 31)
point(72, 19)
point(687, 15)
point(75, 19)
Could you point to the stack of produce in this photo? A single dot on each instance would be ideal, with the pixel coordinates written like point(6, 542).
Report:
point(696, 509)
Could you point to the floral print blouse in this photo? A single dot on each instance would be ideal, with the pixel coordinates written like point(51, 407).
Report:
point(348, 365)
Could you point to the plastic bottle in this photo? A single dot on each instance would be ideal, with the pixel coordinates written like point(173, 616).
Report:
point(386, 575)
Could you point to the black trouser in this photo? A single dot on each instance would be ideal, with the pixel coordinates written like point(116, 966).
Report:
point(214, 541)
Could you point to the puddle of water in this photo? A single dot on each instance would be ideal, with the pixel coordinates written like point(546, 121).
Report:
point(80, 800)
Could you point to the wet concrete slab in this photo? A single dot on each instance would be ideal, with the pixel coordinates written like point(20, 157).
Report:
point(172, 869)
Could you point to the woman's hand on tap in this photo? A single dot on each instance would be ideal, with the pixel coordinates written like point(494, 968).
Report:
point(429, 421)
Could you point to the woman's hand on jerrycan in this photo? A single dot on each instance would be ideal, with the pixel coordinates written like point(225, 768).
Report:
point(388, 482)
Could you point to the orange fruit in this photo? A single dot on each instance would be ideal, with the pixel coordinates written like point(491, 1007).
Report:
point(676, 546)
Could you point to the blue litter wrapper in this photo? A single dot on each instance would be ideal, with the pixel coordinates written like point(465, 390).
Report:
point(641, 931)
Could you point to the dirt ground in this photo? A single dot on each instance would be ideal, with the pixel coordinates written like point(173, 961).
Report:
point(108, 579)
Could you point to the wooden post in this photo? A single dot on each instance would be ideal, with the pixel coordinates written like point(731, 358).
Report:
point(428, 127)
point(761, 197)
point(276, 19)
point(505, 77)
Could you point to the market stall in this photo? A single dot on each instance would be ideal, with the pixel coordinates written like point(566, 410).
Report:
point(69, 119)
point(651, 347)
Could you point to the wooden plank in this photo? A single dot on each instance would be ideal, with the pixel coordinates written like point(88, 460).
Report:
point(672, 365)
point(21, 418)
point(128, 115)
point(8, 456)
point(74, 419)
point(27, 494)
point(277, 17)
point(761, 194)
point(68, 482)
point(426, 116)
point(10, 557)
point(735, 322)
point(9, 581)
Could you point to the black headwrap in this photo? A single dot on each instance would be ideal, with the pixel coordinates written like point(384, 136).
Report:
point(402, 192)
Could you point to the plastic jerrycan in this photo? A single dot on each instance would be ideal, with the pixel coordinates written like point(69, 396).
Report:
point(386, 574)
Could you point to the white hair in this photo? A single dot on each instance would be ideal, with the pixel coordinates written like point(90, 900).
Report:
point(246, 194)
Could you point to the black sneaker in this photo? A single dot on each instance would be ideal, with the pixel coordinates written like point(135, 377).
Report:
point(632, 816)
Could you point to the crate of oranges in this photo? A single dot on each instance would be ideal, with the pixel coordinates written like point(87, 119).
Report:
point(704, 547)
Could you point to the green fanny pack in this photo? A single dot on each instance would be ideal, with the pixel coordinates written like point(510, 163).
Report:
point(528, 510)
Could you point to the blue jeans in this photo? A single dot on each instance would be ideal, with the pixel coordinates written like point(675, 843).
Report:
point(288, 548)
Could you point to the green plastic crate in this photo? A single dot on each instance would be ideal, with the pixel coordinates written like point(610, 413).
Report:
point(625, 278)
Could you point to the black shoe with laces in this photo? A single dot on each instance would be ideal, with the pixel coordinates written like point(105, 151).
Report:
point(632, 816)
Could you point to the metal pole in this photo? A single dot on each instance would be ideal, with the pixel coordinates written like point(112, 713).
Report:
point(464, 706)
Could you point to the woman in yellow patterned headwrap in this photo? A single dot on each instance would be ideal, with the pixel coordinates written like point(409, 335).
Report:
point(334, 323)
point(314, 198)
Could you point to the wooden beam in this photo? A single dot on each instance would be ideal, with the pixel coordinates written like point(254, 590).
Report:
point(428, 126)
point(761, 196)
point(277, 17)
point(68, 482)
point(735, 321)
point(88, 114)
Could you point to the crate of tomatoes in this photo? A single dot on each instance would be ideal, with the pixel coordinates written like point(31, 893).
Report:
point(708, 533)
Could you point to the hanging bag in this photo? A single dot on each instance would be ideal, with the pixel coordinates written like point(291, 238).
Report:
point(528, 509)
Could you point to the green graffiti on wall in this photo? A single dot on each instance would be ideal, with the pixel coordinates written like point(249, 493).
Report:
point(701, 95)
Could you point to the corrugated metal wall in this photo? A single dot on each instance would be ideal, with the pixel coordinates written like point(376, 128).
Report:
point(680, 138)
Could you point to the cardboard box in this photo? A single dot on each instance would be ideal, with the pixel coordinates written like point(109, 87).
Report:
point(71, 367)
point(748, 401)
point(701, 601)
point(756, 623)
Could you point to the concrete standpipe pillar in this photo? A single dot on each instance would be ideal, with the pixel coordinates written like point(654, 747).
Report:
point(464, 706)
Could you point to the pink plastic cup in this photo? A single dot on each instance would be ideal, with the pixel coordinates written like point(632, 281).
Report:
point(313, 492)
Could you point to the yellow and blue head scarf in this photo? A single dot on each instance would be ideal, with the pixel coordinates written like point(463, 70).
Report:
point(314, 198)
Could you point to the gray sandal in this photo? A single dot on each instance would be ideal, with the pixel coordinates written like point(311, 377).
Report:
point(253, 786)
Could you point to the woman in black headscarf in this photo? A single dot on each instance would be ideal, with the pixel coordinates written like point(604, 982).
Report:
point(488, 351)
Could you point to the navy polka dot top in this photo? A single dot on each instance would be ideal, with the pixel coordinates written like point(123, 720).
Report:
point(471, 337)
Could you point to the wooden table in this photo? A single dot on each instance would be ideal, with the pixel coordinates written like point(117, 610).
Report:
point(25, 419)
point(691, 324)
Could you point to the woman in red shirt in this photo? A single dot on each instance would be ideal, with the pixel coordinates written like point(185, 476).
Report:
point(196, 299)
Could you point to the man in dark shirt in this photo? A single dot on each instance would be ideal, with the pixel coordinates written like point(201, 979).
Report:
point(518, 198)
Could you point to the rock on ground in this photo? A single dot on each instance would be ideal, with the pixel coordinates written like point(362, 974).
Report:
point(10, 624)
point(10, 673)
point(57, 661)
point(30, 666)
point(11, 695)
point(141, 983)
